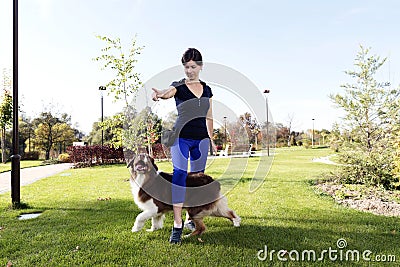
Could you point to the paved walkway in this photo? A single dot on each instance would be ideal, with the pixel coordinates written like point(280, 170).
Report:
point(31, 175)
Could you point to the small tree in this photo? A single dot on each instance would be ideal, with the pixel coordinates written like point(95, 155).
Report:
point(126, 81)
point(371, 117)
point(125, 84)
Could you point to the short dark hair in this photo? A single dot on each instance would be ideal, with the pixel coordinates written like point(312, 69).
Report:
point(192, 54)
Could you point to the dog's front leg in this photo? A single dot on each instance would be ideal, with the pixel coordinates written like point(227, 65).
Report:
point(141, 219)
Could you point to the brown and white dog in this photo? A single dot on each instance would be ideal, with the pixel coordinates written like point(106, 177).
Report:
point(152, 194)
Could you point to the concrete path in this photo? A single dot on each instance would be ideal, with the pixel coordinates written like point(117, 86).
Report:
point(31, 175)
point(325, 160)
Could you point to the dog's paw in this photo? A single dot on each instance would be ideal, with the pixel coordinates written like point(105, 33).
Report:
point(136, 229)
point(152, 229)
point(236, 221)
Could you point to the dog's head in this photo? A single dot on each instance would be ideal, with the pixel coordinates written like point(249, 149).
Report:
point(142, 163)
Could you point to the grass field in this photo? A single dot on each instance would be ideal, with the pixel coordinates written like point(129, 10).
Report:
point(284, 214)
point(4, 167)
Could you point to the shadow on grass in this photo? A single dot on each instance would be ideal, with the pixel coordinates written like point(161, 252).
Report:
point(105, 227)
point(253, 232)
point(300, 234)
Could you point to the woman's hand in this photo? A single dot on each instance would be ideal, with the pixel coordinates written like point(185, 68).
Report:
point(214, 148)
point(163, 94)
point(156, 94)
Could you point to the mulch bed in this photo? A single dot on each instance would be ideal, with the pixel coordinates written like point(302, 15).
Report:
point(368, 199)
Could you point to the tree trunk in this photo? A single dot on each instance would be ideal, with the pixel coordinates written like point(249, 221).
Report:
point(3, 145)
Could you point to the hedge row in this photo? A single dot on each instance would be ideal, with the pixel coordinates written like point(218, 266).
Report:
point(160, 151)
point(84, 156)
point(95, 155)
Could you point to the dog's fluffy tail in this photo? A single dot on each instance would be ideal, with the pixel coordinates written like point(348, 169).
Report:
point(222, 210)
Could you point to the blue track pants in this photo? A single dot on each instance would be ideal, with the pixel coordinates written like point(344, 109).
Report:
point(181, 150)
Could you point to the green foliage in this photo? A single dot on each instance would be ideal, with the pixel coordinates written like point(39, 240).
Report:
point(126, 81)
point(52, 130)
point(371, 107)
point(371, 116)
point(26, 132)
point(113, 127)
point(6, 109)
point(141, 129)
point(135, 131)
point(31, 155)
point(373, 169)
point(396, 170)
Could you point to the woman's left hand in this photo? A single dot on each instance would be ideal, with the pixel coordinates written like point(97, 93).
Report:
point(214, 147)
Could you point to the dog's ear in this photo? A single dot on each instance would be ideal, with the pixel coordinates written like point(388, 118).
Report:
point(130, 162)
point(153, 162)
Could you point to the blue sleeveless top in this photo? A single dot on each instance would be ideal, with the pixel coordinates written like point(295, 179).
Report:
point(192, 111)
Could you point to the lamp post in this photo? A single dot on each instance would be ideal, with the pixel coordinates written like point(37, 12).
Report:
point(15, 158)
point(225, 139)
point(102, 88)
point(266, 92)
point(312, 139)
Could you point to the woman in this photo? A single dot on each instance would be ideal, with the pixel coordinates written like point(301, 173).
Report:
point(194, 124)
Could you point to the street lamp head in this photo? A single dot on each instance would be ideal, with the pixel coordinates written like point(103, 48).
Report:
point(102, 88)
point(266, 91)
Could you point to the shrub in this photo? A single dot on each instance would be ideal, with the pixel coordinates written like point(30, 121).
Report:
point(159, 151)
point(300, 143)
point(306, 144)
point(64, 157)
point(369, 168)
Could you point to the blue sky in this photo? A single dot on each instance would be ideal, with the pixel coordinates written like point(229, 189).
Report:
point(297, 49)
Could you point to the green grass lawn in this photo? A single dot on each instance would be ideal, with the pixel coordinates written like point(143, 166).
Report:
point(4, 167)
point(285, 213)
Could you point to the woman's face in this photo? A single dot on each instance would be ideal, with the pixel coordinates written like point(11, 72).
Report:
point(192, 70)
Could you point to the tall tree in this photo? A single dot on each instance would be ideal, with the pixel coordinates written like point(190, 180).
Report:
point(6, 108)
point(252, 127)
point(371, 107)
point(291, 137)
point(372, 113)
point(52, 130)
